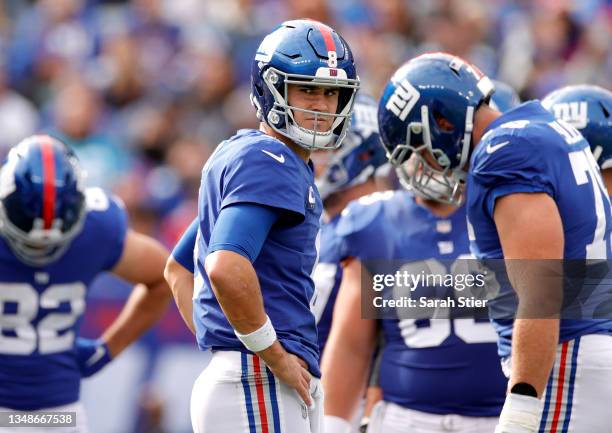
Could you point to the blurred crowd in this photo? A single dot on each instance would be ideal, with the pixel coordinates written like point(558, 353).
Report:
point(145, 89)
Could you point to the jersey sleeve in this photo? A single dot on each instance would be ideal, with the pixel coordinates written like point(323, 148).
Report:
point(112, 223)
point(266, 173)
point(183, 250)
point(508, 165)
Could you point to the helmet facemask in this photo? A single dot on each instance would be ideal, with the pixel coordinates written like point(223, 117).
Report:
point(281, 117)
point(39, 246)
point(413, 162)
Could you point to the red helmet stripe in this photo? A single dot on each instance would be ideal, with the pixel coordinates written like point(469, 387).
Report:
point(327, 36)
point(48, 161)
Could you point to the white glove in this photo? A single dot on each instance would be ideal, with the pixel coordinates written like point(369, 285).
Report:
point(521, 414)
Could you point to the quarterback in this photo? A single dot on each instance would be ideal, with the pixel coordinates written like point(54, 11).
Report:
point(256, 246)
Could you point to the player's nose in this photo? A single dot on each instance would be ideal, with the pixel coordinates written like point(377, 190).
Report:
point(319, 102)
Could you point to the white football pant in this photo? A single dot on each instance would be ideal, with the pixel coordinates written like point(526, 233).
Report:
point(578, 397)
point(236, 393)
point(389, 417)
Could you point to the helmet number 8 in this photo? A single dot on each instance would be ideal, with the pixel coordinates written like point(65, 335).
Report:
point(47, 334)
point(332, 57)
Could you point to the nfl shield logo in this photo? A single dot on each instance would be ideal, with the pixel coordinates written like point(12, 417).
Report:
point(312, 202)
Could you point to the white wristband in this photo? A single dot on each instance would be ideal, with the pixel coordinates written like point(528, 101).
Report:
point(259, 339)
point(521, 413)
point(335, 424)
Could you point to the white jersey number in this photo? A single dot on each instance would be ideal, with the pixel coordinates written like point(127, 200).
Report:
point(466, 328)
point(586, 171)
point(19, 304)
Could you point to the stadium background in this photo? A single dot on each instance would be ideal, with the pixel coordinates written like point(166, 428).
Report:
point(145, 89)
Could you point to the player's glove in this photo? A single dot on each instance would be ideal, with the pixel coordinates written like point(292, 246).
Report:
point(92, 355)
point(521, 414)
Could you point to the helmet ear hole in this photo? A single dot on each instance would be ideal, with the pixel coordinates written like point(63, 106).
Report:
point(443, 123)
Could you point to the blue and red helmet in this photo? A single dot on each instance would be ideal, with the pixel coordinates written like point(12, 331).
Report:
point(42, 204)
point(427, 111)
point(504, 98)
point(360, 155)
point(303, 52)
point(589, 109)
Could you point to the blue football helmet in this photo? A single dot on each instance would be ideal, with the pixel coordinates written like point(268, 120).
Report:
point(504, 98)
point(589, 109)
point(426, 117)
point(303, 52)
point(42, 204)
point(360, 155)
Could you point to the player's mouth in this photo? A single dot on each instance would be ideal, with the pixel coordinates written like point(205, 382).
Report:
point(322, 123)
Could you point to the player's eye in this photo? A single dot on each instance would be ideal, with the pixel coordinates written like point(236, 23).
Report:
point(331, 92)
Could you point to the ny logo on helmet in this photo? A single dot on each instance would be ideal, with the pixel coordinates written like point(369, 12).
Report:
point(403, 99)
point(575, 113)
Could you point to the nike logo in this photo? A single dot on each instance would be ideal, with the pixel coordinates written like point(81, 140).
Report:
point(279, 158)
point(98, 354)
point(491, 149)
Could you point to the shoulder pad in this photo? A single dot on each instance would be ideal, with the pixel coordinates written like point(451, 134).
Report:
point(361, 213)
point(269, 150)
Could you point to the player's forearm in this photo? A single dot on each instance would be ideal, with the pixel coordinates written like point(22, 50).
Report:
point(373, 395)
point(236, 287)
point(534, 345)
point(343, 372)
point(180, 281)
point(143, 309)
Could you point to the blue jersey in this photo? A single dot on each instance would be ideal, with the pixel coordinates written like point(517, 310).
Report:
point(252, 167)
point(528, 150)
point(327, 277)
point(427, 365)
point(41, 309)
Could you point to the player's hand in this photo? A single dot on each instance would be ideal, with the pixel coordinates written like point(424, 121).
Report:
point(92, 355)
point(289, 369)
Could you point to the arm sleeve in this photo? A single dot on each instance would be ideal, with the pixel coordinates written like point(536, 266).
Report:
point(183, 251)
point(243, 229)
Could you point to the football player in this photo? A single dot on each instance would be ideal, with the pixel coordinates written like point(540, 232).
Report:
point(340, 176)
point(258, 230)
point(587, 108)
point(55, 237)
point(435, 374)
point(533, 192)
